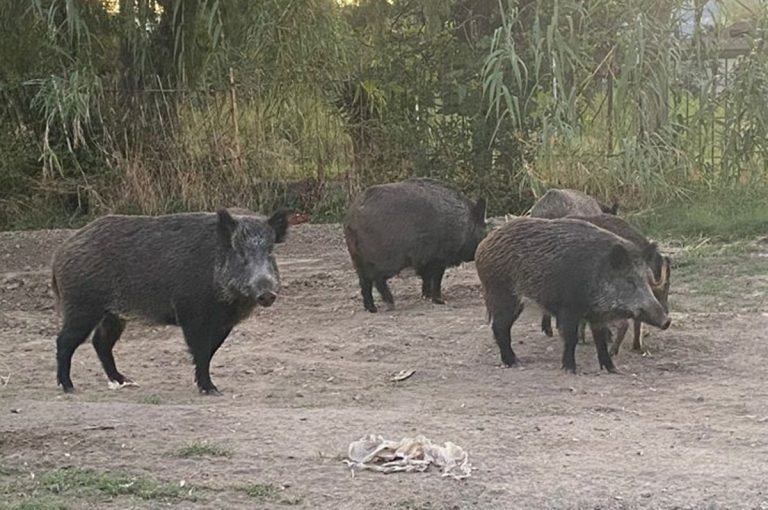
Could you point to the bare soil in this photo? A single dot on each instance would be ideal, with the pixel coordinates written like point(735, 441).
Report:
point(684, 428)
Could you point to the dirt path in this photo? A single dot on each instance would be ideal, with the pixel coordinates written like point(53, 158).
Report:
point(685, 428)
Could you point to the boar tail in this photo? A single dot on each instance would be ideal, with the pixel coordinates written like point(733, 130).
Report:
point(351, 239)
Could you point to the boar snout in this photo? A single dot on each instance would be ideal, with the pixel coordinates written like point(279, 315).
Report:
point(266, 299)
point(655, 317)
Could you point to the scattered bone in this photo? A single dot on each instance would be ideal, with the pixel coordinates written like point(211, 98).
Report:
point(375, 453)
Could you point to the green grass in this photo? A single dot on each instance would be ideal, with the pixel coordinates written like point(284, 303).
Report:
point(90, 482)
point(724, 215)
point(37, 504)
point(151, 399)
point(268, 493)
point(722, 277)
point(203, 450)
point(51, 489)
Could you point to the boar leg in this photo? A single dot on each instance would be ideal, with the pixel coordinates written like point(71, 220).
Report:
point(602, 334)
point(217, 343)
point(568, 325)
point(104, 339)
point(583, 332)
point(426, 286)
point(546, 325)
point(426, 281)
point(364, 272)
point(637, 341)
point(431, 281)
point(621, 332)
point(74, 332)
point(366, 289)
point(204, 333)
point(437, 283)
point(505, 313)
point(383, 288)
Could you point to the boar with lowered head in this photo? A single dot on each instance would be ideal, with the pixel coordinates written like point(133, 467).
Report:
point(204, 272)
point(661, 272)
point(558, 203)
point(574, 271)
point(419, 223)
point(659, 264)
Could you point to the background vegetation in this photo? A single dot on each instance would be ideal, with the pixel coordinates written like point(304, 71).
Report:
point(150, 106)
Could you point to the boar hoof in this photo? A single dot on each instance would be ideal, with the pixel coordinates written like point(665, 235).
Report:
point(570, 369)
point(68, 389)
point(438, 301)
point(211, 391)
point(508, 361)
point(371, 308)
point(116, 385)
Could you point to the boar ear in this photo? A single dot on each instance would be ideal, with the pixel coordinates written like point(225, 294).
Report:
point(650, 252)
point(619, 257)
point(279, 223)
point(666, 270)
point(654, 260)
point(609, 209)
point(226, 226)
point(478, 210)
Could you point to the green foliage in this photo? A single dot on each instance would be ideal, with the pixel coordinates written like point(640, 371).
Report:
point(203, 450)
point(129, 106)
point(48, 491)
point(724, 215)
point(90, 482)
point(415, 102)
point(268, 493)
point(152, 399)
point(37, 504)
point(615, 101)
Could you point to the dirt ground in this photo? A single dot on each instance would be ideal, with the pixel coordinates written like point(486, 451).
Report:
point(684, 428)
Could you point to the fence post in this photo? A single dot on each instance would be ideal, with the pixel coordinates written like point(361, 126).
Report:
point(233, 99)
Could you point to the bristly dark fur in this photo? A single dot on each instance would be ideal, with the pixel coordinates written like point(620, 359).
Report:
point(204, 272)
point(557, 203)
point(660, 267)
point(419, 223)
point(571, 268)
